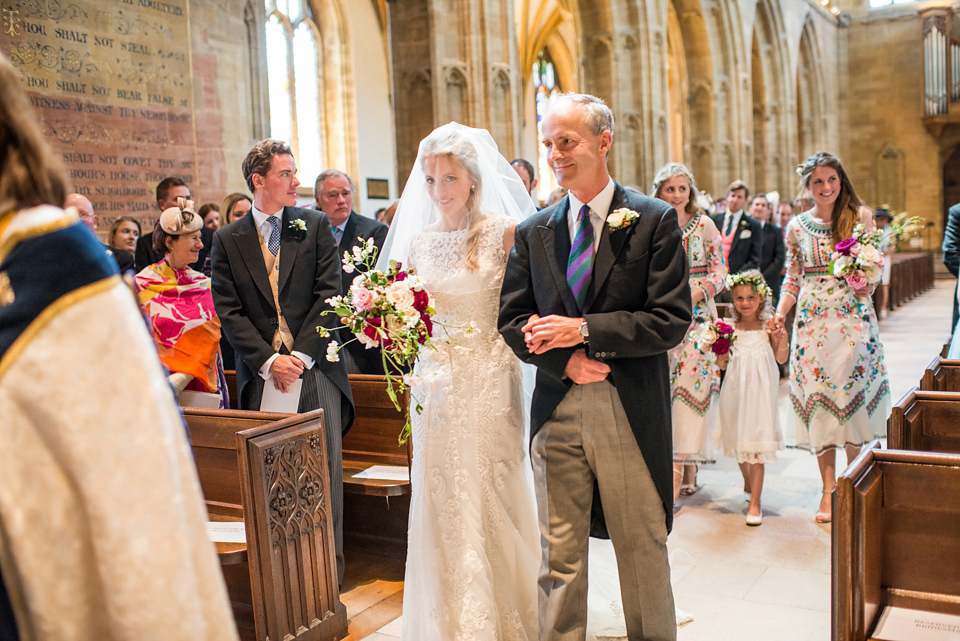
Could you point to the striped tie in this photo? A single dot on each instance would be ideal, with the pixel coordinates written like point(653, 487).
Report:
point(273, 244)
point(580, 264)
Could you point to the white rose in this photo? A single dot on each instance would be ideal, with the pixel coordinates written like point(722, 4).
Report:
point(332, 355)
point(393, 324)
point(872, 273)
point(709, 335)
point(841, 264)
point(399, 295)
point(615, 219)
point(868, 255)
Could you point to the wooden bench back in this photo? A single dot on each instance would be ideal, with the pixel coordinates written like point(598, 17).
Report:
point(213, 435)
point(281, 472)
point(896, 538)
point(942, 375)
point(375, 434)
point(925, 421)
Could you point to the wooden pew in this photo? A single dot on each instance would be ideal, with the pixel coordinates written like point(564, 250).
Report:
point(942, 375)
point(271, 471)
point(375, 512)
point(925, 421)
point(896, 538)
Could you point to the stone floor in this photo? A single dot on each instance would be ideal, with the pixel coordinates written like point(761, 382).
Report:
point(773, 582)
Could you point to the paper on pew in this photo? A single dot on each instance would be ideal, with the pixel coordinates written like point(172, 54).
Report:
point(901, 624)
point(273, 400)
point(226, 531)
point(385, 473)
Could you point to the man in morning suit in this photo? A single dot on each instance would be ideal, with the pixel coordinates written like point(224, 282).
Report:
point(742, 236)
point(773, 250)
point(334, 192)
point(595, 293)
point(168, 190)
point(273, 271)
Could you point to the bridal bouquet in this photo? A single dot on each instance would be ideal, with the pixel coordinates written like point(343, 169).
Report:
point(716, 336)
point(858, 259)
point(387, 309)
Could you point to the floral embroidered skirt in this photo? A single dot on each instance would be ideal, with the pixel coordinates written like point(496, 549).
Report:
point(839, 392)
point(694, 388)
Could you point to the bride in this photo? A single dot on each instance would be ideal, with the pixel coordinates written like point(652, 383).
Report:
point(473, 550)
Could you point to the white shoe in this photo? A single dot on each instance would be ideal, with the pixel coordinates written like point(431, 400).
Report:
point(753, 521)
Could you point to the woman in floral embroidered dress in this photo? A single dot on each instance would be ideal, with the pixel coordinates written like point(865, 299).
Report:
point(839, 393)
point(694, 377)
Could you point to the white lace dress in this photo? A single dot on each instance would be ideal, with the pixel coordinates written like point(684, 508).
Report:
point(749, 420)
point(474, 551)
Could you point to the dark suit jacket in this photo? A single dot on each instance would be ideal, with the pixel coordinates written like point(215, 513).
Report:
point(773, 254)
point(367, 360)
point(244, 300)
point(746, 247)
point(122, 257)
point(951, 251)
point(637, 307)
point(145, 255)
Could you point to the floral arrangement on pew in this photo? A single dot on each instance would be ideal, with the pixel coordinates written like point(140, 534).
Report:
point(387, 309)
point(715, 336)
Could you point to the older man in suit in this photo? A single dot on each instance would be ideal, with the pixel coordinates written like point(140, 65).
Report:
point(273, 271)
point(334, 192)
point(595, 293)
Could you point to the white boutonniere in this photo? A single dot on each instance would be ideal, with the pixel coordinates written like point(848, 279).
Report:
point(298, 224)
point(746, 233)
point(621, 218)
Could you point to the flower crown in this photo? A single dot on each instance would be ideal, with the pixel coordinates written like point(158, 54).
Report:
point(753, 278)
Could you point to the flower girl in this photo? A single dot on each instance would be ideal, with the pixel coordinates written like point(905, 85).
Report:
point(749, 422)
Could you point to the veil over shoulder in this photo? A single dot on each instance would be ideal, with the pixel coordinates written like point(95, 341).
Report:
point(503, 192)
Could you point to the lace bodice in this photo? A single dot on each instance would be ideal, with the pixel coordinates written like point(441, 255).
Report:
point(462, 295)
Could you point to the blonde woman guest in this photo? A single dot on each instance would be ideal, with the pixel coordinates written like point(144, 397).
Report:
point(694, 375)
point(124, 233)
point(839, 393)
point(234, 207)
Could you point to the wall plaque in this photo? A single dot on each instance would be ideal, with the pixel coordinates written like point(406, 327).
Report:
point(111, 84)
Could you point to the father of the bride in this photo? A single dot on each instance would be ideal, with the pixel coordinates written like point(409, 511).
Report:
point(595, 293)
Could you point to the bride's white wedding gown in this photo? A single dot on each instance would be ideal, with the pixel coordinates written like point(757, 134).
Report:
point(473, 542)
point(474, 548)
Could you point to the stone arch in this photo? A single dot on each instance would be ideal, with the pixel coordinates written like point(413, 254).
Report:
point(501, 111)
point(811, 95)
point(455, 92)
point(773, 133)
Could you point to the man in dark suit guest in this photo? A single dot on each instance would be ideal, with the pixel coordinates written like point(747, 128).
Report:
point(951, 251)
point(168, 190)
point(524, 169)
point(333, 191)
point(88, 217)
point(273, 271)
point(773, 251)
point(741, 235)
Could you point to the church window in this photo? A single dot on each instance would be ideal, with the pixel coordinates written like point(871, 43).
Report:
point(545, 89)
point(293, 80)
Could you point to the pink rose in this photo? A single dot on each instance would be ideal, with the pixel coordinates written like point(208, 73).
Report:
point(362, 298)
point(855, 249)
point(856, 280)
point(723, 328)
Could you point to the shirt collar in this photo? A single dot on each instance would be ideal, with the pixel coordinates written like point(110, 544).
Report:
point(600, 205)
point(259, 217)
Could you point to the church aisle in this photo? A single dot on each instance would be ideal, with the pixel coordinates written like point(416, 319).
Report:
point(773, 582)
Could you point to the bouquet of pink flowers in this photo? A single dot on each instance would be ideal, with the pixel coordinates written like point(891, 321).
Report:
point(716, 336)
point(387, 309)
point(858, 259)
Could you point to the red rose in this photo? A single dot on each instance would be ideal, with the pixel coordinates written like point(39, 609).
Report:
point(421, 300)
point(400, 275)
point(723, 328)
point(721, 346)
point(427, 330)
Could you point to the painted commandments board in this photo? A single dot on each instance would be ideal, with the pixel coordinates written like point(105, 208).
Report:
point(111, 83)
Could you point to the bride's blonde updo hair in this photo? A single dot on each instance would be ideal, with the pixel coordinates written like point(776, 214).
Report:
point(846, 210)
point(451, 145)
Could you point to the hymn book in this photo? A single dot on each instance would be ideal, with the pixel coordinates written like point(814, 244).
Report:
point(901, 624)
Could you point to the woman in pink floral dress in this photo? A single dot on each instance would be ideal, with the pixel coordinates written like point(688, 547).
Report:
point(694, 376)
point(839, 393)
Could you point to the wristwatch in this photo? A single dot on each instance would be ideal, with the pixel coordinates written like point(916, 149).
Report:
point(583, 330)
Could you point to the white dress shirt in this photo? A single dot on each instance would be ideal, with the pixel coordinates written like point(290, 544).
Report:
point(599, 208)
point(726, 221)
point(264, 228)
